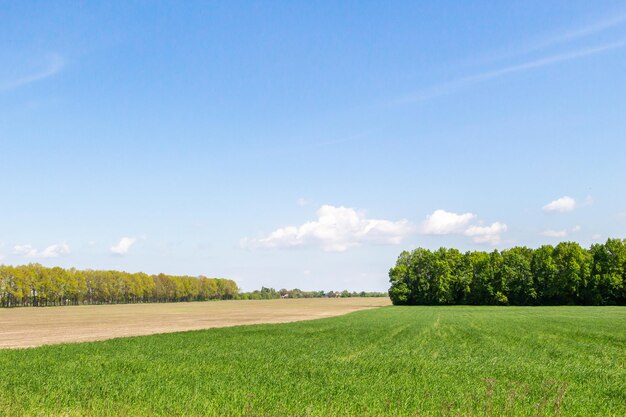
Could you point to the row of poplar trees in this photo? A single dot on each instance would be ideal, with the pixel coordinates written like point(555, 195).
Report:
point(35, 285)
point(549, 275)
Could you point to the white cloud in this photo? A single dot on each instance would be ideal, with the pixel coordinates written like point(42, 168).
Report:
point(51, 251)
point(55, 250)
point(442, 222)
point(335, 230)
point(560, 205)
point(123, 245)
point(486, 234)
point(560, 233)
point(25, 250)
point(596, 236)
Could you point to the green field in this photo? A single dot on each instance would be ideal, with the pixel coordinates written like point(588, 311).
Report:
point(480, 361)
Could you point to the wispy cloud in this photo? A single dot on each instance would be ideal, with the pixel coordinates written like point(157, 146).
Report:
point(560, 233)
point(548, 42)
point(549, 60)
point(592, 28)
point(465, 82)
point(51, 251)
point(53, 65)
point(554, 39)
point(302, 201)
point(554, 233)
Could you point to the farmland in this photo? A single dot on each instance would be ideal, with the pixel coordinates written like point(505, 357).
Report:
point(455, 360)
point(28, 327)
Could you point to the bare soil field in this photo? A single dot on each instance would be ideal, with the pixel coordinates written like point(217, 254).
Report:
point(36, 326)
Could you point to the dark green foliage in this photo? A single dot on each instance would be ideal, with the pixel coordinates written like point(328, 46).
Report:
point(564, 274)
point(608, 274)
point(393, 361)
point(515, 270)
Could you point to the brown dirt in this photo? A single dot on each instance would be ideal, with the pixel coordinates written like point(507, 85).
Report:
point(36, 326)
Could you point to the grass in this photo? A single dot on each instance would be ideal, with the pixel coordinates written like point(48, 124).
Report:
point(396, 361)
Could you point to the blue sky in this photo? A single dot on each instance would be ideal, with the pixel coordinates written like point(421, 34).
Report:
point(299, 144)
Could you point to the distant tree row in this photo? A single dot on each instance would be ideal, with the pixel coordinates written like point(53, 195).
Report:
point(563, 274)
point(270, 293)
point(35, 285)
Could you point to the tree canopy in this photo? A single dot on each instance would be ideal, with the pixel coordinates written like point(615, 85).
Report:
point(549, 275)
point(36, 285)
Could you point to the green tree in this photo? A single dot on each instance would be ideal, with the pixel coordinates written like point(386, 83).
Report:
point(607, 280)
point(516, 270)
point(573, 268)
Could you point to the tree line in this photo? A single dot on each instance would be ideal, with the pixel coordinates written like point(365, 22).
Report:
point(270, 294)
point(549, 275)
point(36, 285)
